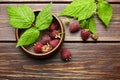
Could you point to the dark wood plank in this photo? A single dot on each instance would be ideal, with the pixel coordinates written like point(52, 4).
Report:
point(110, 34)
point(47, 0)
point(90, 61)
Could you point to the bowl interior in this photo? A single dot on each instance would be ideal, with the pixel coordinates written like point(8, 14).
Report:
point(29, 49)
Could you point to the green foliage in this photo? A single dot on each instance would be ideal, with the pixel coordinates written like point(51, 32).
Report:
point(28, 37)
point(44, 18)
point(22, 17)
point(83, 10)
point(105, 12)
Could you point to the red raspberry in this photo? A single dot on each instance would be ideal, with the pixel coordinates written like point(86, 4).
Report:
point(46, 48)
point(37, 47)
point(74, 26)
point(53, 34)
point(65, 54)
point(54, 26)
point(54, 43)
point(45, 38)
point(85, 33)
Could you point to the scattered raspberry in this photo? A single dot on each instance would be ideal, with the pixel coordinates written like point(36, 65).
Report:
point(66, 55)
point(85, 34)
point(74, 26)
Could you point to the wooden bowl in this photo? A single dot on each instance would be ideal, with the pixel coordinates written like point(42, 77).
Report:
point(29, 49)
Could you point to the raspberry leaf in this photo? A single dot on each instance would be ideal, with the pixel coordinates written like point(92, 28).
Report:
point(91, 25)
point(44, 18)
point(83, 23)
point(20, 16)
point(28, 37)
point(105, 12)
point(81, 9)
point(100, 0)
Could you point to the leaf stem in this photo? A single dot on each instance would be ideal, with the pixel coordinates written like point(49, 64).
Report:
point(96, 1)
point(33, 25)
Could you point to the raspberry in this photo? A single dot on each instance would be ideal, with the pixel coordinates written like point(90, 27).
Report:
point(85, 34)
point(37, 47)
point(74, 26)
point(53, 34)
point(54, 43)
point(54, 26)
point(45, 38)
point(46, 48)
point(66, 54)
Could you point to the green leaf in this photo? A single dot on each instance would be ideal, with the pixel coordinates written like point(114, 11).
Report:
point(28, 37)
point(83, 23)
point(105, 12)
point(91, 25)
point(81, 9)
point(101, 0)
point(20, 16)
point(44, 18)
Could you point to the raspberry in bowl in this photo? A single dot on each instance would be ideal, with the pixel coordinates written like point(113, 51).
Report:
point(49, 42)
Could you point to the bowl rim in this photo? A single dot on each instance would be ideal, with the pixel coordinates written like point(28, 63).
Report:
point(50, 52)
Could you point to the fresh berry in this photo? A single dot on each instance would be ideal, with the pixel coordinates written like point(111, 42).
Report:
point(45, 38)
point(46, 48)
point(54, 26)
point(54, 43)
point(85, 34)
point(74, 26)
point(53, 34)
point(95, 36)
point(38, 47)
point(66, 54)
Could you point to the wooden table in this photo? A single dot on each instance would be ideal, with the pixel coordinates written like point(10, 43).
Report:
point(90, 61)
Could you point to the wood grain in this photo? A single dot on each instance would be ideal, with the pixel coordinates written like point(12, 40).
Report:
point(110, 34)
point(47, 0)
point(90, 61)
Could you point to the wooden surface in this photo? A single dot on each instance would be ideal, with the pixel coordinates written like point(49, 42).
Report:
point(90, 61)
